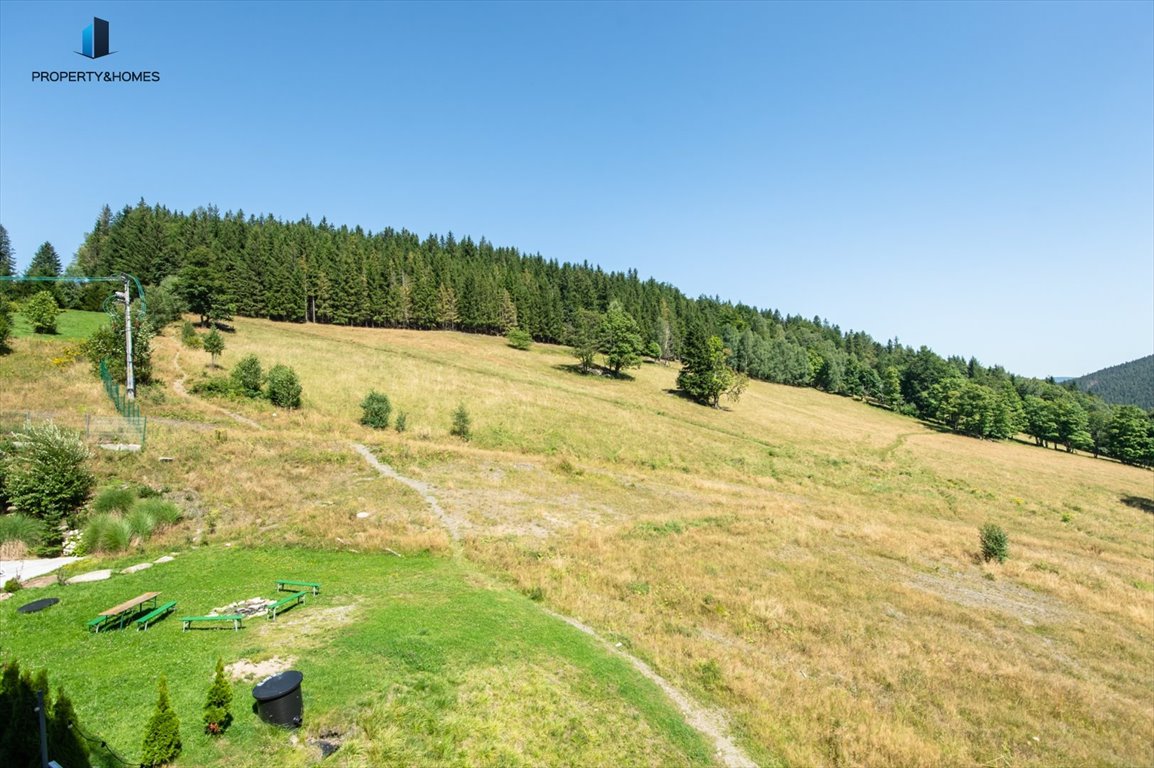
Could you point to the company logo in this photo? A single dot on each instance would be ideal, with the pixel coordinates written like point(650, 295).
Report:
point(94, 39)
point(94, 45)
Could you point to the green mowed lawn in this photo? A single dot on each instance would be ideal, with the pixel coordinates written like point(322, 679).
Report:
point(71, 325)
point(413, 661)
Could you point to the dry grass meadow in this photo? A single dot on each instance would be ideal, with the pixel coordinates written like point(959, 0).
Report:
point(806, 563)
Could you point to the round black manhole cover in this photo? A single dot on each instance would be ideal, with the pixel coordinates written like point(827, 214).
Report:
point(38, 605)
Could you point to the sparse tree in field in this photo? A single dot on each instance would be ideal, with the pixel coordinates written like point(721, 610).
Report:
point(247, 376)
point(284, 388)
point(583, 338)
point(41, 312)
point(519, 339)
point(653, 351)
point(213, 344)
point(162, 736)
point(705, 375)
point(376, 410)
point(402, 421)
point(462, 424)
point(217, 716)
point(618, 339)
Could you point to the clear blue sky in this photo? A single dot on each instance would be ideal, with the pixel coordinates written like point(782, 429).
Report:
point(978, 177)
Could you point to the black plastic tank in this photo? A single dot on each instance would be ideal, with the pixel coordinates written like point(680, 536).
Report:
point(278, 699)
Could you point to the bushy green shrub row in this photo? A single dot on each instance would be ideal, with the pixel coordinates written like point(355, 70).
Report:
point(281, 385)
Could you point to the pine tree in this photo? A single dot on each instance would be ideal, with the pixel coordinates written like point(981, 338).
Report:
point(162, 736)
point(46, 262)
point(705, 375)
point(7, 259)
point(217, 717)
point(64, 742)
point(462, 424)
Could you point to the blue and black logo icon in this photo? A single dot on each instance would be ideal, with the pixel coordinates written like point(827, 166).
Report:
point(94, 39)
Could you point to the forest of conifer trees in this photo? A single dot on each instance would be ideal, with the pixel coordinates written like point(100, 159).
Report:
point(233, 263)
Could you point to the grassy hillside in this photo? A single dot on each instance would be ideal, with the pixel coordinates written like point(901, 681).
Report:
point(1130, 383)
point(410, 661)
point(71, 325)
point(806, 563)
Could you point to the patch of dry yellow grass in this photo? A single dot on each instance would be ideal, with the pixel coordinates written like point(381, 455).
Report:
point(807, 562)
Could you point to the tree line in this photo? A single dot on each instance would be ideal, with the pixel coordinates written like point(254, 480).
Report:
point(221, 264)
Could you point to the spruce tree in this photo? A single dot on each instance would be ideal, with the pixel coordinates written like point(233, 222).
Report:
point(45, 263)
point(162, 736)
point(64, 743)
point(7, 259)
point(217, 717)
point(462, 424)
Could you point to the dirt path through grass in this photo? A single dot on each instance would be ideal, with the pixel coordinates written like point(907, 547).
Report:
point(178, 387)
point(707, 722)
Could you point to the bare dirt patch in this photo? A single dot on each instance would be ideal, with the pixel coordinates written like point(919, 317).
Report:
point(245, 670)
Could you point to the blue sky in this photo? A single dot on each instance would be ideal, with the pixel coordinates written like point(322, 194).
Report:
point(977, 177)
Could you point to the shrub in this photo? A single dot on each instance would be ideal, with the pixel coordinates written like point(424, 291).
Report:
point(461, 423)
point(13, 585)
point(284, 389)
point(376, 409)
point(213, 386)
point(105, 533)
point(114, 499)
point(402, 421)
point(189, 337)
point(45, 477)
point(247, 376)
point(163, 512)
point(17, 527)
point(140, 523)
point(217, 718)
point(41, 311)
point(162, 736)
point(995, 544)
point(5, 323)
point(519, 339)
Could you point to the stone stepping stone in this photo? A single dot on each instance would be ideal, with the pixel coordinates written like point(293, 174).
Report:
point(137, 567)
point(165, 559)
point(91, 576)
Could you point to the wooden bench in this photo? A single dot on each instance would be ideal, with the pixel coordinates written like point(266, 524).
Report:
point(143, 622)
point(283, 584)
point(235, 618)
point(285, 603)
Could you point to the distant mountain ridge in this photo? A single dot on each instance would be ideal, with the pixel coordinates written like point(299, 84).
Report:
point(1130, 383)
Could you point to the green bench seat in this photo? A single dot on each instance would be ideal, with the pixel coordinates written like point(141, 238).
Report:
point(285, 603)
point(235, 618)
point(283, 584)
point(95, 624)
point(153, 615)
